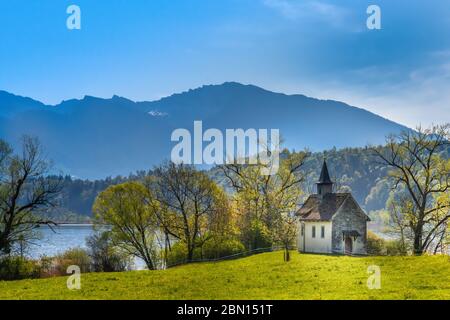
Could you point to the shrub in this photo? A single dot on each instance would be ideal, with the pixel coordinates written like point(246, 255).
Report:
point(16, 268)
point(76, 256)
point(105, 257)
point(256, 236)
point(395, 248)
point(214, 250)
point(46, 268)
point(377, 246)
point(210, 250)
point(178, 254)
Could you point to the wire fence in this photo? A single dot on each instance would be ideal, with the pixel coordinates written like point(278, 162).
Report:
point(233, 256)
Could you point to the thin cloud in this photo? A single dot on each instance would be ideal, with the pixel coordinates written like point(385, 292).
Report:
point(420, 96)
point(299, 10)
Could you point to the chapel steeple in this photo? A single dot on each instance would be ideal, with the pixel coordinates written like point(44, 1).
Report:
point(324, 185)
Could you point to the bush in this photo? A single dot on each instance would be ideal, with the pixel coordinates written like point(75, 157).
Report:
point(377, 246)
point(211, 250)
point(17, 268)
point(178, 254)
point(395, 248)
point(76, 256)
point(214, 250)
point(105, 257)
point(46, 268)
point(256, 236)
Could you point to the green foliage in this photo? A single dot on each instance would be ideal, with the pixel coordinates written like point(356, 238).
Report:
point(177, 254)
point(264, 203)
point(131, 211)
point(262, 276)
point(224, 248)
point(15, 268)
point(211, 250)
point(395, 248)
point(258, 235)
point(377, 246)
point(76, 256)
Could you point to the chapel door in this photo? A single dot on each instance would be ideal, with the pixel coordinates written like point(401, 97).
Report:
point(348, 245)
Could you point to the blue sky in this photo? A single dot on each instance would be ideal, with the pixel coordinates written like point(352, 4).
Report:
point(146, 49)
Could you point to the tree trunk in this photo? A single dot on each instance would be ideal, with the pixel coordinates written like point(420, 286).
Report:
point(190, 256)
point(287, 256)
point(418, 250)
point(149, 264)
point(4, 244)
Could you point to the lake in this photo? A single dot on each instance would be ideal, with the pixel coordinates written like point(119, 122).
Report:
point(61, 239)
point(64, 237)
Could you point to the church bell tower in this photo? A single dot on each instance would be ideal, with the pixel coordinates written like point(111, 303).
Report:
point(325, 185)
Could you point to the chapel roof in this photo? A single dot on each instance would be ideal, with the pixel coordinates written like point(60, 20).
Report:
point(322, 208)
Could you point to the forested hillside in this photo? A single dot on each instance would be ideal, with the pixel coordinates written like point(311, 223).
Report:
point(78, 196)
point(353, 169)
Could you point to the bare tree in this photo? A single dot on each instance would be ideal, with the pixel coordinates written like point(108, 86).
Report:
point(24, 191)
point(418, 165)
point(192, 204)
point(400, 208)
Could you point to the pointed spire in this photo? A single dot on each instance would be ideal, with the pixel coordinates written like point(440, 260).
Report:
point(324, 175)
point(325, 185)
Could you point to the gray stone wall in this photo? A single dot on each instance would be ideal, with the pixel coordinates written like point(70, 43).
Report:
point(349, 217)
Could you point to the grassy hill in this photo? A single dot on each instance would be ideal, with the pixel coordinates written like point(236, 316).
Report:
point(263, 276)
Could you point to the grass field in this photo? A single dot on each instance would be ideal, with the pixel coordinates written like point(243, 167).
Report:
point(263, 276)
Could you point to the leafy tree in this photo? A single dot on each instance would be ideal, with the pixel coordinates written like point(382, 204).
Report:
point(267, 201)
point(131, 211)
point(419, 165)
point(285, 232)
point(24, 193)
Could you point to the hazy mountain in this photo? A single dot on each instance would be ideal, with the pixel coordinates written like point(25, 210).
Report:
point(11, 105)
point(96, 137)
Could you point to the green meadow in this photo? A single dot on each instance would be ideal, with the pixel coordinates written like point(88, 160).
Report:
point(262, 276)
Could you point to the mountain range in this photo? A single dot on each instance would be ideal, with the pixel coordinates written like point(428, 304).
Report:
point(94, 137)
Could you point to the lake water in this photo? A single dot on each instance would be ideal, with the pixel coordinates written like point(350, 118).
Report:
point(64, 237)
point(61, 239)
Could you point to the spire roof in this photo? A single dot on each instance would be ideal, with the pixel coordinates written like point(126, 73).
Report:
point(324, 175)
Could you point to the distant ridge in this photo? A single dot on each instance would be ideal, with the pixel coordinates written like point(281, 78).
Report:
point(95, 137)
